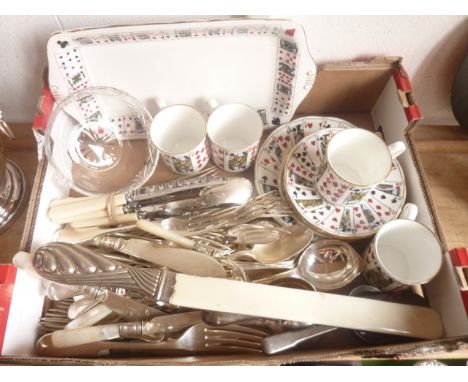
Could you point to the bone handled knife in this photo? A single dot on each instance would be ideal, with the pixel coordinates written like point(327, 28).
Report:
point(159, 325)
point(77, 265)
point(130, 201)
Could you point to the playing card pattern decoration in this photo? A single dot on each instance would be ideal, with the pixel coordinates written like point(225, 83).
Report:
point(360, 215)
point(288, 57)
point(180, 33)
point(74, 71)
point(190, 162)
point(233, 161)
point(126, 127)
point(337, 191)
point(376, 275)
point(71, 64)
point(279, 144)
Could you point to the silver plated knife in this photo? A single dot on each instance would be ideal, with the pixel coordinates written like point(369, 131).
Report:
point(178, 259)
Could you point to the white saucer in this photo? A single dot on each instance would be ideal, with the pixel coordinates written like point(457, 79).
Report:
point(279, 144)
point(358, 217)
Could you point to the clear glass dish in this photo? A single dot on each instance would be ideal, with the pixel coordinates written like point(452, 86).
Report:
point(98, 141)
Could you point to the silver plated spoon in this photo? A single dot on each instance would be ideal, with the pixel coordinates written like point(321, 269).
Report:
point(324, 265)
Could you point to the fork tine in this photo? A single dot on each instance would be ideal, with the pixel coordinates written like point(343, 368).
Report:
point(234, 337)
point(223, 341)
point(233, 347)
point(211, 341)
point(238, 329)
point(257, 205)
point(53, 319)
point(229, 335)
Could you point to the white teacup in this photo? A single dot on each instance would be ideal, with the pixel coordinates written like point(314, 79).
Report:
point(234, 130)
point(403, 253)
point(357, 159)
point(179, 133)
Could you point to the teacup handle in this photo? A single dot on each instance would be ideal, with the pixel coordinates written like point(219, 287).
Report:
point(409, 211)
point(396, 149)
point(160, 103)
point(212, 104)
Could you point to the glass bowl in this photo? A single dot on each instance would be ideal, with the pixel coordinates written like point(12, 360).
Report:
point(98, 141)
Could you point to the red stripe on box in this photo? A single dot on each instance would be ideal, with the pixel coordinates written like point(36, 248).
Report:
point(454, 258)
point(401, 79)
point(413, 113)
point(462, 256)
point(44, 109)
point(464, 295)
point(7, 283)
point(403, 83)
point(459, 257)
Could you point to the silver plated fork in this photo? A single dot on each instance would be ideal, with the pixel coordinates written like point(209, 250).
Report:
point(227, 217)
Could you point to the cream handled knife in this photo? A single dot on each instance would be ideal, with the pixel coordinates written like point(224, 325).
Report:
point(132, 200)
point(139, 329)
point(222, 295)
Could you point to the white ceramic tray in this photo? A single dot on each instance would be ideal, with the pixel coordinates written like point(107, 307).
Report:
point(263, 63)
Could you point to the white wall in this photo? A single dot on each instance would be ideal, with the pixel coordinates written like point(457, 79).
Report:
point(432, 47)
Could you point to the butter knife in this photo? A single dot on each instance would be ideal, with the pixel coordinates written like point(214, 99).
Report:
point(177, 259)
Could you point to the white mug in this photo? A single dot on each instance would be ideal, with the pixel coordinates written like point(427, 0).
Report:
point(356, 159)
point(402, 253)
point(179, 133)
point(234, 130)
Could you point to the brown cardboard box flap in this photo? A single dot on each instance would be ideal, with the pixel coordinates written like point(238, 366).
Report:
point(348, 86)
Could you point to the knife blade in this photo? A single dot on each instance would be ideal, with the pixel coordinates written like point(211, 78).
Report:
point(185, 207)
point(232, 296)
point(177, 259)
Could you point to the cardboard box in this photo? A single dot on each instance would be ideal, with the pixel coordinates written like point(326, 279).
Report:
point(376, 95)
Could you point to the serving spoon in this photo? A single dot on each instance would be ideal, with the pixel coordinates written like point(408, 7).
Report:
point(290, 242)
point(325, 265)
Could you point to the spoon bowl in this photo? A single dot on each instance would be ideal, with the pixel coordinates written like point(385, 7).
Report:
point(324, 265)
point(291, 241)
point(235, 191)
